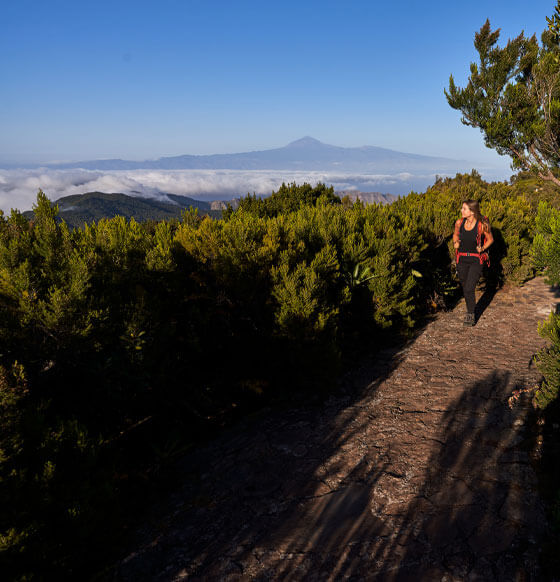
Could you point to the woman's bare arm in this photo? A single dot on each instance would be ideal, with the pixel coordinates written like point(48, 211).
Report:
point(456, 238)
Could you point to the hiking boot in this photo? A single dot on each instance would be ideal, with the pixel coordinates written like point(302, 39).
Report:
point(469, 319)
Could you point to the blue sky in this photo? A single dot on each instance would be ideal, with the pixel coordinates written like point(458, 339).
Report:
point(147, 79)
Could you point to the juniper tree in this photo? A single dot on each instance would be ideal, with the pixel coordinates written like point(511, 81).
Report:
point(513, 97)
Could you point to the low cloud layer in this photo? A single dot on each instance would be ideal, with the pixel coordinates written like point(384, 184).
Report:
point(18, 188)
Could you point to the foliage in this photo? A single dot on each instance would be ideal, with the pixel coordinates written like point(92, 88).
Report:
point(548, 361)
point(546, 243)
point(513, 97)
point(288, 198)
point(124, 342)
point(535, 190)
point(546, 255)
point(554, 22)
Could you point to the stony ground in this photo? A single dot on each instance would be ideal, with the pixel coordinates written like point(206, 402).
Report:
point(417, 470)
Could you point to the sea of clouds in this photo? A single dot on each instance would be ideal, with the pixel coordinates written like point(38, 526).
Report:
point(18, 187)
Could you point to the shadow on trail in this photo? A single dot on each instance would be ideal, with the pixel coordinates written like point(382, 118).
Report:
point(477, 514)
point(316, 495)
point(486, 298)
point(238, 489)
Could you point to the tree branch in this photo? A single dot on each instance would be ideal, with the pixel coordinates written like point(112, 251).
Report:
point(549, 177)
point(521, 158)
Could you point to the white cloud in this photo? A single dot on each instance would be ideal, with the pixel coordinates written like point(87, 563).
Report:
point(18, 188)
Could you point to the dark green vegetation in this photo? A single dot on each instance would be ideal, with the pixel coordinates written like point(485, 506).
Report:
point(289, 198)
point(513, 97)
point(123, 343)
point(80, 209)
point(547, 258)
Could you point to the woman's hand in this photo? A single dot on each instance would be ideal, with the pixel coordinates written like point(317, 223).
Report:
point(479, 249)
point(456, 244)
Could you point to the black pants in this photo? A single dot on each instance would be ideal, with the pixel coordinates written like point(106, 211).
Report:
point(469, 273)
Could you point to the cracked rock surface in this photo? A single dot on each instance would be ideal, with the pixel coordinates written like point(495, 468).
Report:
point(416, 470)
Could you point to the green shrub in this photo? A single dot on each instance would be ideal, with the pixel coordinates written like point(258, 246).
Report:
point(546, 256)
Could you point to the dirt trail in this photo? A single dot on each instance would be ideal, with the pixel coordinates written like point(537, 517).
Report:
point(424, 476)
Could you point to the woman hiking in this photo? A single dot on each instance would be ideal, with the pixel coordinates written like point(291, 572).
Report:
point(471, 239)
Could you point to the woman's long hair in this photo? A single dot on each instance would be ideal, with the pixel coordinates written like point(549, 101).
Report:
point(474, 207)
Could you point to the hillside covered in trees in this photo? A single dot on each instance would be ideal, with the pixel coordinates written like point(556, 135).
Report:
point(79, 209)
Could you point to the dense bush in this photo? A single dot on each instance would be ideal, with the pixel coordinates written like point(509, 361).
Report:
point(288, 198)
point(546, 252)
point(124, 342)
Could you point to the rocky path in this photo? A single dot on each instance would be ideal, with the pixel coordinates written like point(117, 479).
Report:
point(424, 476)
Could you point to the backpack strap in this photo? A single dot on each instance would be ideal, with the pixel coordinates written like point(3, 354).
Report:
point(484, 256)
point(480, 232)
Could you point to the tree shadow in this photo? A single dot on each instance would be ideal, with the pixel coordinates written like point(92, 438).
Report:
point(235, 489)
point(478, 513)
point(332, 494)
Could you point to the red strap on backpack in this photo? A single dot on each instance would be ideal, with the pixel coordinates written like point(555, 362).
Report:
point(484, 257)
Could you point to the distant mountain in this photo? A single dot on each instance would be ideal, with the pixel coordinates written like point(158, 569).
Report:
point(368, 197)
point(304, 154)
point(78, 209)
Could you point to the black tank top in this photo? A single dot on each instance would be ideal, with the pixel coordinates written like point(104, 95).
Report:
point(468, 241)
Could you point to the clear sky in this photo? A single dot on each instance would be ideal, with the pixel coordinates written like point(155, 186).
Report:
point(136, 80)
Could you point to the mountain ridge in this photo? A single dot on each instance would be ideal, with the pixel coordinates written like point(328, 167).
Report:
point(306, 153)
